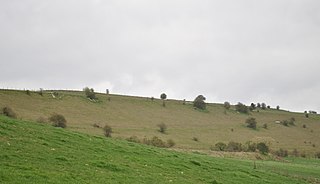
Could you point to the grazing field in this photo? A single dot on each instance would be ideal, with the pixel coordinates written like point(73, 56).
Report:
point(39, 153)
point(138, 116)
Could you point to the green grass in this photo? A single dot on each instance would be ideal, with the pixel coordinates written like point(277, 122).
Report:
point(39, 153)
point(137, 116)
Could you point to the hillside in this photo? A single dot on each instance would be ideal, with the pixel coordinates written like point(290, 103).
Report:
point(137, 116)
point(39, 153)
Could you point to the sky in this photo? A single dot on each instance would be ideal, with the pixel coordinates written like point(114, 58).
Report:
point(227, 50)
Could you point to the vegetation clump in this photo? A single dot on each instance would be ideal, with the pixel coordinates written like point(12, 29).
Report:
point(226, 105)
point(90, 93)
point(242, 108)
point(281, 152)
point(58, 120)
point(199, 102)
point(7, 111)
point(163, 97)
point(162, 128)
point(251, 123)
point(107, 130)
point(42, 120)
point(263, 148)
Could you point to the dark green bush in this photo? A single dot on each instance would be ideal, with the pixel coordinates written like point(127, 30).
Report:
point(317, 155)
point(242, 108)
point(89, 93)
point(251, 123)
point(234, 146)
point(263, 147)
point(58, 120)
point(281, 152)
point(199, 102)
point(226, 105)
point(7, 111)
point(220, 146)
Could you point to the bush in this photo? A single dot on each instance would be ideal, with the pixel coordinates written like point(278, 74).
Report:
point(58, 120)
point(317, 155)
point(295, 153)
point(107, 130)
point(133, 139)
point(252, 106)
point(7, 111)
point(265, 126)
point(170, 143)
point(263, 106)
point(263, 148)
point(227, 105)
point(304, 126)
point(163, 96)
point(40, 92)
point(234, 146)
point(306, 115)
point(242, 108)
point(281, 153)
point(195, 139)
point(162, 127)
point(96, 125)
point(89, 93)
point(251, 123)
point(28, 92)
point(199, 102)
point(157, 142)
point(220, 146)
point(278, 107)
point(251, 146)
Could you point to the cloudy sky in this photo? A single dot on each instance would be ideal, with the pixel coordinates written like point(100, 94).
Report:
point(228, 50)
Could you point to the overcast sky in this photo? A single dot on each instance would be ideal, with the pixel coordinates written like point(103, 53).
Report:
point(228, 50)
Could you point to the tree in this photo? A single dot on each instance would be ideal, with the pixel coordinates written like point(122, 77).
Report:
point(89, 93)
point(251, 123)
point(258, 105)
point(199, 102)
point(278, 107)
point(163, 96)
point(242, 108)
point(263, 106)
point(227, 105)
point(107, 130)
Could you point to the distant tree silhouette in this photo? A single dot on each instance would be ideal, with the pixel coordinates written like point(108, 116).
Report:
point(227, 105)
point(199, 102)
point(163, 96)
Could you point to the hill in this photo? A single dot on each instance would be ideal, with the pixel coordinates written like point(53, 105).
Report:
point(39, 153)
point(138, 116)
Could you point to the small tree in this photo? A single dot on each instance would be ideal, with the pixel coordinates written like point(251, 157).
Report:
point(242, 108)
point(251, 123)
point(163, 97)
point(278, 107)
point(58, 120)
point(227, 105)
point(162, 127)
point(89, 93)
point(107, 130)
point(265, 126)
point(263, 148)
point(40, 92)
point(253, 106)
point(199, 102)
point(263, 106)
point(258, 105)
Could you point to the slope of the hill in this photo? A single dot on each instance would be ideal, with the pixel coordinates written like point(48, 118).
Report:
point(39, 153)
point(135, 116)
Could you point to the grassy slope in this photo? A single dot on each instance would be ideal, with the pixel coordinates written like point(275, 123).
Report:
point(38, 153)
point(139, 116)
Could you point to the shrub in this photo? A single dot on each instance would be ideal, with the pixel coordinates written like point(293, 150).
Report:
point(58, 120)
point(226, 105)
point(262, 147)
point(251, 123)
point(317, 155)
point(265, 126)
point(278, 107)
point(107, 130)
point(170, 143)
point(152, 98)
point(184, 102)
point(263, 106)
point(304, 126)
point(220, 146)
point(7, 111)
point(242, 108)
point(28, 92)
point(89, 93)
point(133, 139)
point(199, 102)
point(285, 123)
point(252, 106)
point(95, 125)
point(162, 127)
point(40, 92)
point(251, 146)
point(281, 152)
point(306, 115)
point(258, 105)
point(234, 146)
point(157, 142)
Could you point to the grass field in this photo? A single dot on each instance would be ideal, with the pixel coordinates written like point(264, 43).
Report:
point(39, 153)
point(137, 116)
